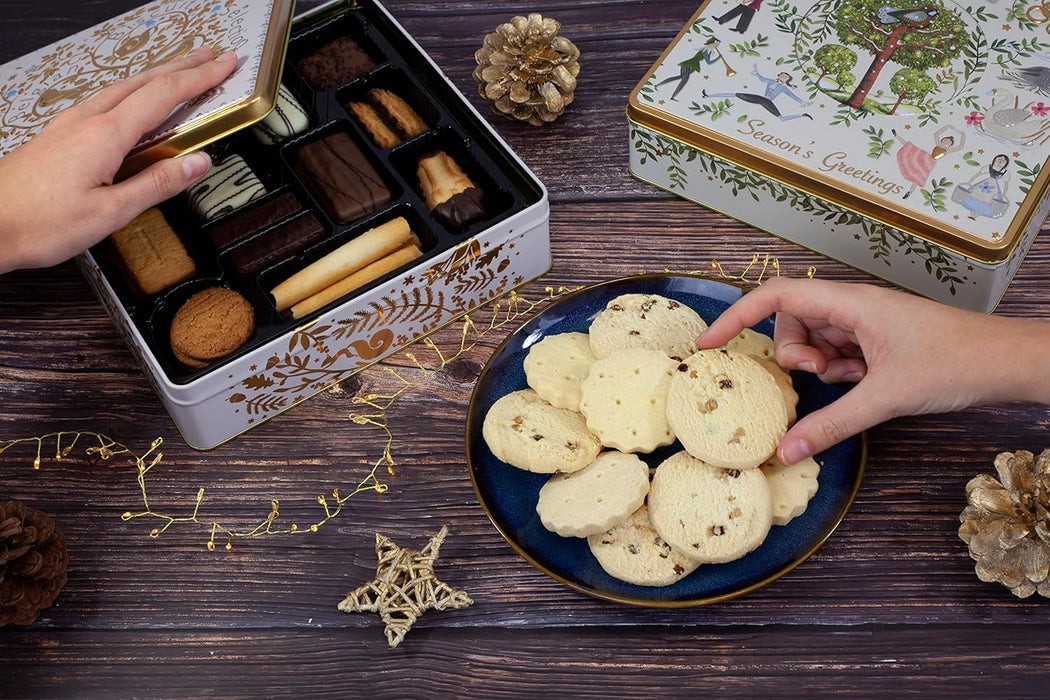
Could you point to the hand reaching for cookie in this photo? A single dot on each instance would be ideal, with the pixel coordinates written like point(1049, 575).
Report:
point(908, 355)
point(58, 189)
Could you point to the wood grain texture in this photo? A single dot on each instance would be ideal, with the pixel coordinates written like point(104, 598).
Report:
point(889, 603)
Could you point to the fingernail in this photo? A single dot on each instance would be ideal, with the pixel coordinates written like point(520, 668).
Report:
point(202, 51)
point(795, 451)
point(195, 164)
point(808, 366)
point(226, 57)
point(853, 377)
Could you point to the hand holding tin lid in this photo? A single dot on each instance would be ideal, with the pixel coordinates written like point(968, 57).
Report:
point(77, 204)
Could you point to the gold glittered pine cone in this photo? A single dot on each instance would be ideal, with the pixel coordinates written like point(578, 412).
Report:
point(526, 70)
point(33, 562)
point(1007, 523)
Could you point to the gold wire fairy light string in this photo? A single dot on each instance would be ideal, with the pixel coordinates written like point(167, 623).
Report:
point(507, 310)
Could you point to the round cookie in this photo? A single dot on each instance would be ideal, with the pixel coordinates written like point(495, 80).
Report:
point(726, 409)
point(786, 385)
point(633, 552)
point(624, 399)
point(210, 325)
point(708, 513)
point(751, 342)
point(557, 365)
point(646, 321)
point(791, 487)
point(525, 431)
point(595, 498)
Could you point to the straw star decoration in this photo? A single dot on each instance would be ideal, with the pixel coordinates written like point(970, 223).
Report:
point(405, 587)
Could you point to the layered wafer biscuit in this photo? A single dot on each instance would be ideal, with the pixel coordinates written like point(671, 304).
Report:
point(449, 192)
point(367, 248)
point(152, 253)
point(366, 274)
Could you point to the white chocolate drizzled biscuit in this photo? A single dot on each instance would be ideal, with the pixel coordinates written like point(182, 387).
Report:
point(229, 185)
point(287, 119)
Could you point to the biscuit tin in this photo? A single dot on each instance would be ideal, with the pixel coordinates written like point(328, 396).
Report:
point(310, 184)
point(904, 138)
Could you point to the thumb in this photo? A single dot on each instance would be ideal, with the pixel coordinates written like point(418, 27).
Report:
point(160, 181)
point(856, 411)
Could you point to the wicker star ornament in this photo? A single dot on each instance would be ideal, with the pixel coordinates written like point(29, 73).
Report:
point(405, 587)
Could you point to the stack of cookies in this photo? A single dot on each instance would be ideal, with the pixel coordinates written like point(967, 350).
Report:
point(635, 382)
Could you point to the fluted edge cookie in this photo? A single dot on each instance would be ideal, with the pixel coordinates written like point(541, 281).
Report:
point(595, 498)
point(786, 385)
point(624, 399)
point(526, 432)
point(791, 487)
point(710, 514)
point(556, 367)
point(726, 409)
point(646, 321)
point(634, 552)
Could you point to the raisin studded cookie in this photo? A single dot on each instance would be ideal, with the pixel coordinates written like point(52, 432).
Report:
point(624, 399)
point(525, 431)
point(751, 342)
point(595, 498)
point(710, 514)
point(633, 552)
point(646, 321)
point(786, 385)
point(791, 486)
point(726, 409)
point(557, 365)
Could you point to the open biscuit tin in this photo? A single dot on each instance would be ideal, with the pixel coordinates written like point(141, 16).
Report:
point(906, 139)
point(460, 266)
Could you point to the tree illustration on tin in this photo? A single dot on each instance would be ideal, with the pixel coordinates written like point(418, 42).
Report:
point(914, 36)
point(910, 84)
point(834, 59)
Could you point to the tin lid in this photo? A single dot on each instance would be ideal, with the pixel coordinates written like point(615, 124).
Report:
point(35, 87)
point(925, 116)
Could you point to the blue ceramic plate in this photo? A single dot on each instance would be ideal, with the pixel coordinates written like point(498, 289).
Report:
point(509, 495)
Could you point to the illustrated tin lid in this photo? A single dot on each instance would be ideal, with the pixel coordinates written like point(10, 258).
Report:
point(37, 86)
point(931, 117)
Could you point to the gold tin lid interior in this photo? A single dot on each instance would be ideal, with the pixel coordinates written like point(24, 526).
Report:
point(721, 80)
point(39, 85)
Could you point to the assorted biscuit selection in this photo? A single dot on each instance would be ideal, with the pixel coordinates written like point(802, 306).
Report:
point(599, 401)
point(345, 182)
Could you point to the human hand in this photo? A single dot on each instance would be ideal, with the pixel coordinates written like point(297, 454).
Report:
point(909, 355)
point(58, 190)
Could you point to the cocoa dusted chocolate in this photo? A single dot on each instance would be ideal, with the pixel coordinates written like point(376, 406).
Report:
point(335, 63)
point(340, 176)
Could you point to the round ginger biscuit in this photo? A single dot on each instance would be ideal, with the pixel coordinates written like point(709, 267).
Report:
point(595, 498)
point(526, 432)
point(556, 367)
point(726, 409)
point(624, 399)
point(710, 514)
point(211, 324)
point(646, 321)
point(791, 487)
point(633, 552)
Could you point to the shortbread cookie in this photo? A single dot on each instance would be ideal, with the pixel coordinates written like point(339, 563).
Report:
point(525, 431)
point(595, 498)
point(708, 513)
point(791, 487)
point(556, 367)
point(751, 342)
point(287, 119)
point(229, 184)
point(633, 552)
point(786, 385)
point(646, 321)
point(152, 253)
point(210, 325)
point(381, 134)
point(624, 399)
point(400, 113)
point(726, 409)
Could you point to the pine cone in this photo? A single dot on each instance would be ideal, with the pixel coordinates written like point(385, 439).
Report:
point(1007, 523)
point(33, 563)
point(526, 70)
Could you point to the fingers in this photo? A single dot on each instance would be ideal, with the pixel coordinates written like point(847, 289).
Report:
point(856, 411)
point(116, 93)
point(147, 107)
point(158, 182)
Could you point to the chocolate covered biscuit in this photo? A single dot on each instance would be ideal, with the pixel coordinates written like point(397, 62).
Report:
point(449, 193)
point(152, 253)
point(276, 244)
point(334, 63)
point(229, 184)
point(337, 172)
point(247, 223)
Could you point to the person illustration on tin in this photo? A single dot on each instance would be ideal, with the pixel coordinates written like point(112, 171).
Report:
point(708, 54)
point(916, 163)
point(745, 11)
point(775, 87)
point(984, 194)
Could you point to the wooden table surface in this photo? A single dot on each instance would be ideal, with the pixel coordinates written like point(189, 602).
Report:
point(889, 605)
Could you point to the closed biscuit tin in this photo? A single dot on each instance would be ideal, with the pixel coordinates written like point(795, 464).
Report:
point(905, 138)
point(460, 263)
